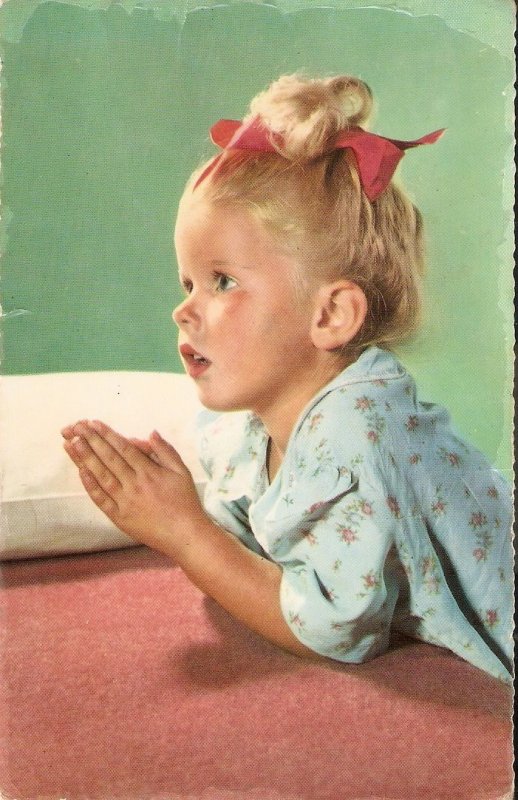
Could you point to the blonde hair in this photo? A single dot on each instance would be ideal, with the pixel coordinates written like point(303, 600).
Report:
point(310, 198)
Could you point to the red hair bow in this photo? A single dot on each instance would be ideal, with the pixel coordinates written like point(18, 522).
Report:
point(376, 156)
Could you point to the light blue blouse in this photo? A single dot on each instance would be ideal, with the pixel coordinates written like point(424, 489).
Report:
point(380, 517)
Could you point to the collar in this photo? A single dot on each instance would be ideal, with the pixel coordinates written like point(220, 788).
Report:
point(239, 440)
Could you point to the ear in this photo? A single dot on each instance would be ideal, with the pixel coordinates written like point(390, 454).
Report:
point(339, 312)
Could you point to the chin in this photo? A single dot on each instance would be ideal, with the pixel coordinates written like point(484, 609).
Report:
point(220, 403)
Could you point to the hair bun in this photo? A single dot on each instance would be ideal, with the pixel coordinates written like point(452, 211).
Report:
point(309, 112)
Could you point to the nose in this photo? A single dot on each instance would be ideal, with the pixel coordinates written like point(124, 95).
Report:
point(186, 313)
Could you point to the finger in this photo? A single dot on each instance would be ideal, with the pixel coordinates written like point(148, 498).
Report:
point(105, 453)
point(142, 444)
point(86, 459)
point(76, 450)
point(147, 449)
point(69, 448)
point(129, 452)
point(101, 499)
point(68, 431)
point(167, 455)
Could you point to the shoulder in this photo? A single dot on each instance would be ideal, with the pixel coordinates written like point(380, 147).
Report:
point(372, 419)
point(354, 417)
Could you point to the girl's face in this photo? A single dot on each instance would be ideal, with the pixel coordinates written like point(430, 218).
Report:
point(244, 336)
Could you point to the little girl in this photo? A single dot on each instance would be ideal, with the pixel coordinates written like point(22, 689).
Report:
point(338, 506)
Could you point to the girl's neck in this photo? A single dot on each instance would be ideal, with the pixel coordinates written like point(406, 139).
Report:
point(280, 420)
point(274, 459)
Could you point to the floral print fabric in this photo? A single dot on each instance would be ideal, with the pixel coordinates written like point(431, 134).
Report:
point(380, 517)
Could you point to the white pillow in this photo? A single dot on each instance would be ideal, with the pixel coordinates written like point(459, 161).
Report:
point(45, 510)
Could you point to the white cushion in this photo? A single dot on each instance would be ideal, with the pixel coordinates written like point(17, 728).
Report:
point(45, 510)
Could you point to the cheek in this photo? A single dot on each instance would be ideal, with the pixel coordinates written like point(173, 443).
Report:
point(229, 312)
point(218, 314)
point(265, 322)
point(290, 322)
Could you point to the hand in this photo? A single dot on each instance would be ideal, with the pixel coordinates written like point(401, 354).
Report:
point(147, 491)
point(142, 486)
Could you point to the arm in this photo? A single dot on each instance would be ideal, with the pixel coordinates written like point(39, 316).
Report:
point(151, 497)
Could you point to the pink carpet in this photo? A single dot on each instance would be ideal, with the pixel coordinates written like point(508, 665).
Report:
point(122, 682)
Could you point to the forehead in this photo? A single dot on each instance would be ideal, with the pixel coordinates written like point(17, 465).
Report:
point(223, 232)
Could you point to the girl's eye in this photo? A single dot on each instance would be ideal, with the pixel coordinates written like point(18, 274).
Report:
point(187, 286)
point(224, 282)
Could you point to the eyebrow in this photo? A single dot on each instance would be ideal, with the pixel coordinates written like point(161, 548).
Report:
point(219, 263)
point(214, 263)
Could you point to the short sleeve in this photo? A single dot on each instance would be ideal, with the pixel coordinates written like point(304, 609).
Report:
point(379, 517)
point(338, 596)
point(339, 583)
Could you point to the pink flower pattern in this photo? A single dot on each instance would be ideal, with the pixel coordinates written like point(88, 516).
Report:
point(478, 519)
point(364, 403)
point(371, 580)
point(439, 505)
point(347, 535)
point(313, 508)
point(491, 617)
point(366, 477)
point(314, 421)
point(311, 537)
point(394, 507)
point(450, 457)
point(412, 422)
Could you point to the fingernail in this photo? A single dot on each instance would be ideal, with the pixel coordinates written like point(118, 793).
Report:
point(68, 428)
point(79, 445)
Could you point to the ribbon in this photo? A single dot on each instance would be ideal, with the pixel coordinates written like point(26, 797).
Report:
point(376, 156)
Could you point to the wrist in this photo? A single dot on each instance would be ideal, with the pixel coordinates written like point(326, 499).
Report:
point(183, 530)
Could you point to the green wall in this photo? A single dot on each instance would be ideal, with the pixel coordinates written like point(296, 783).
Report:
point(106, 108)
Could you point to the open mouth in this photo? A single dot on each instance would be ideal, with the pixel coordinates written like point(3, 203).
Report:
point(199, 359)
point(195, 362)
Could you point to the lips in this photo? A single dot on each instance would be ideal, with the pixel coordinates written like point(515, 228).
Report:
point(195, 362)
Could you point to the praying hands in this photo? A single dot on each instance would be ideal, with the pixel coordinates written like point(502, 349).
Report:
point(142, 486)
point(147, 491)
